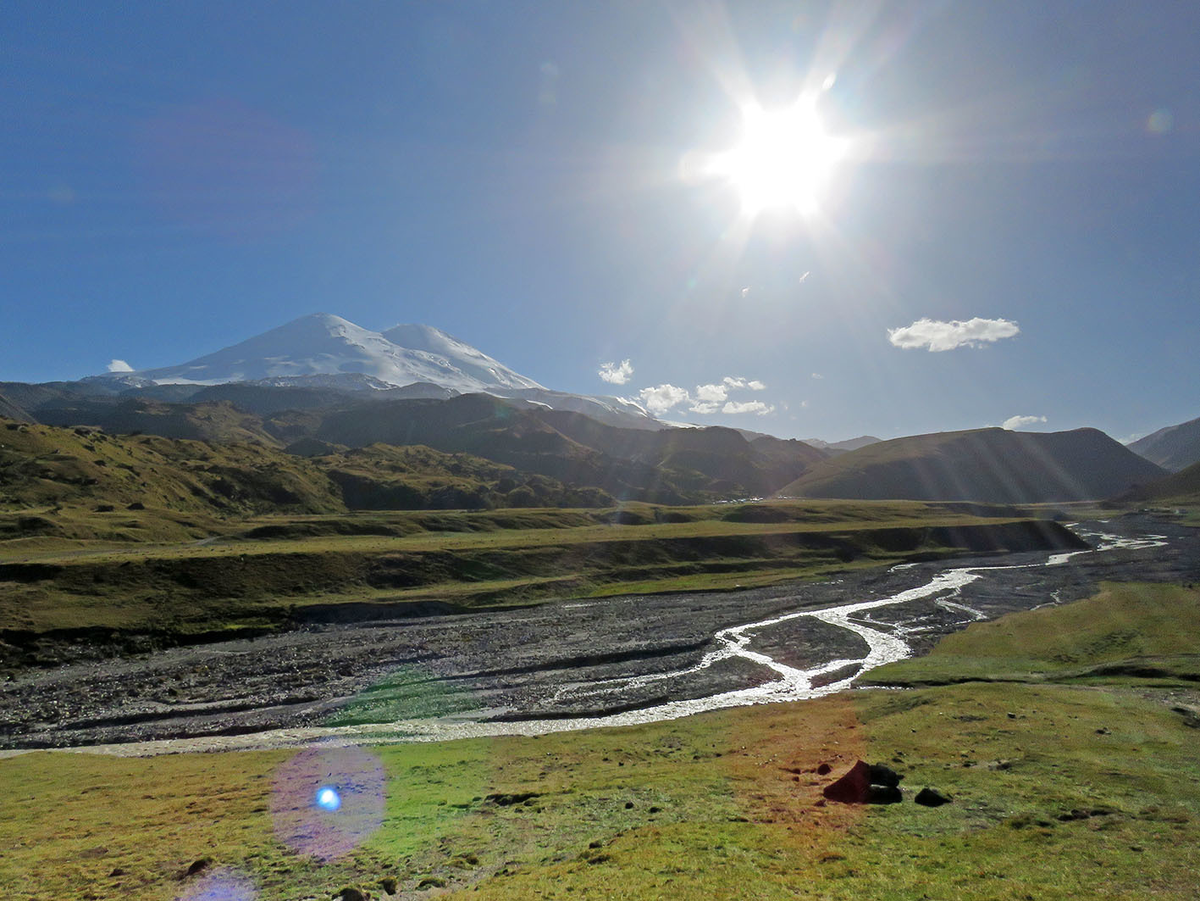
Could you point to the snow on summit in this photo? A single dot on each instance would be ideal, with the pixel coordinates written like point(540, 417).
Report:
point(323, 344)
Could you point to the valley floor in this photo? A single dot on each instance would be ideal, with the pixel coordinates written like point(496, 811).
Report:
point(611, 661)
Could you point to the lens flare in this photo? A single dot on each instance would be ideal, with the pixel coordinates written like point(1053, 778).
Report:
point(221, 885)
point(328, 800)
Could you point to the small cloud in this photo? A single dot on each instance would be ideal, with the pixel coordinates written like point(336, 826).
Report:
point(663, 398)
point(616, 373)
point(1019, 422)
point(817, 375)
point(119, 366)
point(739, 382)
point(750, 406)
point(937, 336)
point(711, 393)
point(704, 408)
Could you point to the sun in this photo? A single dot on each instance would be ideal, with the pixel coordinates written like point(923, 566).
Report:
point(783, 159)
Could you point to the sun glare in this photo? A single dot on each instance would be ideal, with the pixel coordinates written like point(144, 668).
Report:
point(783, 159)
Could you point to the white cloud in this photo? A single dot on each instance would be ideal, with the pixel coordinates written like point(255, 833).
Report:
point(119, 366)
point(706, 399)
point(1019, 422)
point(616, 373)
point(711, 393)
point(938, 336)
point(739, 382)
point(750, 406)
point(663, 398)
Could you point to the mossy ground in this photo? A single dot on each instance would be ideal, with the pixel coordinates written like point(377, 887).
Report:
point(1060, 790)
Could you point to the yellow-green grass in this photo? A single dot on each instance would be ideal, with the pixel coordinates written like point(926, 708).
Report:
point(721, 805)
point(423, 530)
point(1126, 628)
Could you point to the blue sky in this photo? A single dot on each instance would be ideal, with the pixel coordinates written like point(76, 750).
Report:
point(176, 177)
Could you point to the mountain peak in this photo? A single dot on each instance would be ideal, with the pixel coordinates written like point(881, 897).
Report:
point(322, 344)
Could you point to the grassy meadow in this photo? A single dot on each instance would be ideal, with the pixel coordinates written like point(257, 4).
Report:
point(1064, 785)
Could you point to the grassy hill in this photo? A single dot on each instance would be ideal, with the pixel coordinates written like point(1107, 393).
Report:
point(85, 470)
point(991, 465)
point(216, 422)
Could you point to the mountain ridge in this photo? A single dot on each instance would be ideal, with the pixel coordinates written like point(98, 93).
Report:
point(989, 465)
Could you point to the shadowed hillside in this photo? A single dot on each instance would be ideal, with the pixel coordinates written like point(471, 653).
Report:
point(1173, 448)
point(1183, 486)
point(992, 465)
point(9, 410)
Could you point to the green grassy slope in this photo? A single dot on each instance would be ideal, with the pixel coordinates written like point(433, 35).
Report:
point(993, 465)
point(44, 466)
point(1152, 630)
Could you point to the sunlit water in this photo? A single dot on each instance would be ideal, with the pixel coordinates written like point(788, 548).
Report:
point(885, 644)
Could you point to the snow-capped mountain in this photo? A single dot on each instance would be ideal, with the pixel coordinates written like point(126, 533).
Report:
point(324, 345)
point(322, 350)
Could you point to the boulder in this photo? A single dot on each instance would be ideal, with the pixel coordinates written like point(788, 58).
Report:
point(931, 797)
point(884, 794)
point(884, 775)
point(858, 786)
